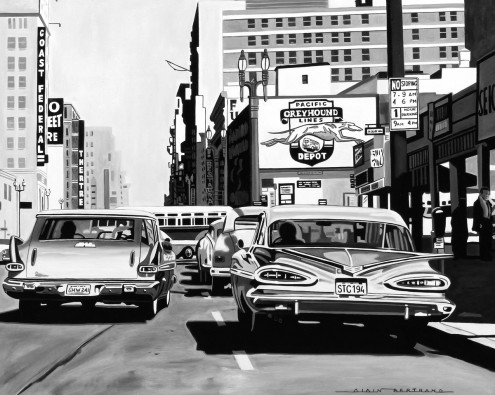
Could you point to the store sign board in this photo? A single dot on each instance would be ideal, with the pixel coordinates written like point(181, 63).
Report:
point(404, 103)
point(376, 157)
point(486, 97)
point(55, 122)
point(80, 166)
point(309, 184)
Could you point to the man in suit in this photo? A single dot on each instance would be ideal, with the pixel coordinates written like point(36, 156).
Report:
point(482, 223)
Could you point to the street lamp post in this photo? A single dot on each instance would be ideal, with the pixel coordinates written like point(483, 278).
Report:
point(19, 188)
point(61, 202)
point(47, 194)
point(223, 133)
point(253, 109)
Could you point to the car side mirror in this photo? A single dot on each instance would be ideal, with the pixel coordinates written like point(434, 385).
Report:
point(4, 257)
point(240, 243)
point(167, 245)
point(167, 239)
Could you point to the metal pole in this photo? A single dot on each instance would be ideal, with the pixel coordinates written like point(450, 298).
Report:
point(255, 170)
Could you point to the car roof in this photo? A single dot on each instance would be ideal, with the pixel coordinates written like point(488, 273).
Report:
point(239, 212)
point(300, 211)
point(95, 212)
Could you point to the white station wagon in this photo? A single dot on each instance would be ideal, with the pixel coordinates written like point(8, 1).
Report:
point(90, 256)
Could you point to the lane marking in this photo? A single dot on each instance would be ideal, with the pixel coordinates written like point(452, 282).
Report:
point(243, 360)
point(218, 318)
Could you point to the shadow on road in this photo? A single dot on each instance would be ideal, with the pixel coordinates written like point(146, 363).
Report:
point(75, 314)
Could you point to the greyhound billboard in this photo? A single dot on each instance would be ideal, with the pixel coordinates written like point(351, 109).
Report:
point(313, 132)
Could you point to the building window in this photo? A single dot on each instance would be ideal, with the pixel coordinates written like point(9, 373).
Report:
point(291, 22)
point(415, 34)
point(21, 143)
point(453, 32)
point(305, 79)
point(308, 39)
point(22, 163)
point(319, 57)
point(335, 75)
point(252, 58)
point(21, 101)
point(10, 102)
point(264, 40)
point(365, 19)
point(348, 74)
point(334, 55)
point(347, 55)
point(334, 20)
point(22, 63)
point(365, 36)
point(251, 23)
point(441, 16)
point(366, 72)
point(10, 143)
point(319, 38)
point(443, 52)
point(251, 41)
point(279, 57)
point(279, 22)
point(307, 21)
point(292, 38)
point(10, 43)
point(347, 37)
point(335, 37)
point(292, 57)
point(415, 53)
point(253, 76)
point(22, 81)
point(10, 163)
point(25, 23)
point(280, 39)
point(10, 63)
point(10, 122)
point(443, 32)
point(10, 82)
point(264, 23)
point(319, 21)
point(414, 17)
point(455, 51)
point(347, 19)
point(453, 16)
point(308, 57)
point(22, 42)
point(21, 122)
point(365, 55)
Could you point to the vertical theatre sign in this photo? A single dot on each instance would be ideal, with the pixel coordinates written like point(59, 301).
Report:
point(55, 122)
point(80, 167)
point(209, 177)
point(41, 157)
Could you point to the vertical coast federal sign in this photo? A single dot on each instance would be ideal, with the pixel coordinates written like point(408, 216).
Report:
point(41, 157)
point(55, 122)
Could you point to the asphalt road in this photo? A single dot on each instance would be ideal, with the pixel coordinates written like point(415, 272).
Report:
point(196, 347)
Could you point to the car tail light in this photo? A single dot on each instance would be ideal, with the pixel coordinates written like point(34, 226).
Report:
point(425, 283)
point(15, 267)
point(282, 275)
point(148, 269)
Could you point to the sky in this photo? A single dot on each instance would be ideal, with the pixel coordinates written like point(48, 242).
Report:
point(108, 59)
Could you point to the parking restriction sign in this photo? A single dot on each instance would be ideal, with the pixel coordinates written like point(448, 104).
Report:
point(404, 104)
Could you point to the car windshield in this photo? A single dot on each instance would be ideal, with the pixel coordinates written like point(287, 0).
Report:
point(183, 233)
point(121, 229)
point(339, 233)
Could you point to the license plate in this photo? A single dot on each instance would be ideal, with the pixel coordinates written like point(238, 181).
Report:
point(78, 289)
point(356, 286)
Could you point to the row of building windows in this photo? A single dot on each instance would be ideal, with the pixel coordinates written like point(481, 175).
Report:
point(21, 143)
point(21, 43)
point(21, 102)
point(318, 38)
point(11, 82)
point(7, 192)
point(21, 163)
point(17, 23)
point(335, 20)
point(21, 63)
point(21, 123)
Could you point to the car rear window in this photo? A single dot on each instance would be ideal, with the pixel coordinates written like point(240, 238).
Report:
point(119, 229)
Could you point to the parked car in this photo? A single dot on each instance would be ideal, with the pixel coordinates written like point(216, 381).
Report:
point(90, 256)
point(240, 223)
point(204, 250)
point(338, 264)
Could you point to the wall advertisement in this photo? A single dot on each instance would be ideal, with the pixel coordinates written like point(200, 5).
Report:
point(486, 97)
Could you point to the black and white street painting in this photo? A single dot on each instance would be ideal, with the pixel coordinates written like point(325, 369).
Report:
point(247, 197)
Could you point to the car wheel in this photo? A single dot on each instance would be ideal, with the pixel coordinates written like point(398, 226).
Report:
point(407, 336)
point(149, 309)
point(164, 302)
point(217, 286)
point(188, 253)
point(245, 319)
point(201, 275)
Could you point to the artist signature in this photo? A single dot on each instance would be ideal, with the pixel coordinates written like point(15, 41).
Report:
point(397, 390)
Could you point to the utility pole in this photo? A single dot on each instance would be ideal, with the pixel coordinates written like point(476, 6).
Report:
point(399, 200)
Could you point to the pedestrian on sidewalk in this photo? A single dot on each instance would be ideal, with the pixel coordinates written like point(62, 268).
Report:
point(459, 229)
point(483, 223)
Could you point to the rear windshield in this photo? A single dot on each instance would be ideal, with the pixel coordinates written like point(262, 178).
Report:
point(121, 229)
point(183, 233)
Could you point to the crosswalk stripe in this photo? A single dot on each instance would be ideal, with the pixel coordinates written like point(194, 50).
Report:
point(243, 360)
point(218, 318)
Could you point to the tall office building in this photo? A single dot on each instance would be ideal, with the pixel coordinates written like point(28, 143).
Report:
point(23, 89)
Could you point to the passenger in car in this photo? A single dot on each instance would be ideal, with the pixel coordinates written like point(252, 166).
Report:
point(68, 230)
point(288, 232)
